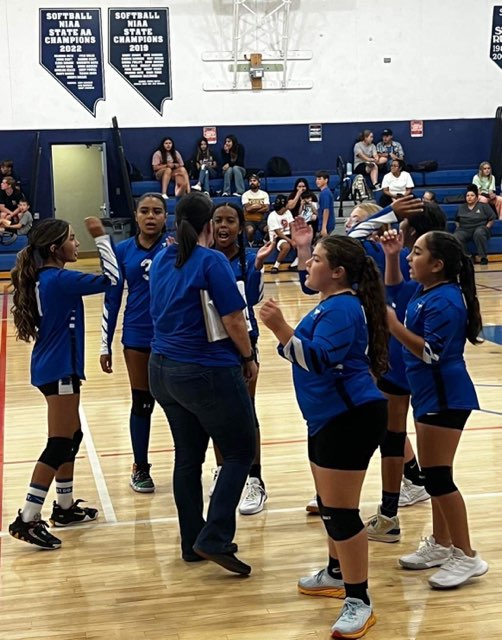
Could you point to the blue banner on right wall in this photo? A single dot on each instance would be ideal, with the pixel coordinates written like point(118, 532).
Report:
point(496, 37)
point(139, 51)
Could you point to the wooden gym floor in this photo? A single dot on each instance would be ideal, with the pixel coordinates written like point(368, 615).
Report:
point(122, 578)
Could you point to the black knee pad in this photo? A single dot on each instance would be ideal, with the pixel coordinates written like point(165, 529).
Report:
point(393, 445)
point(77, 439)
point(438, 481)
point(142, 403)
point(341, 524)
point(57, 452)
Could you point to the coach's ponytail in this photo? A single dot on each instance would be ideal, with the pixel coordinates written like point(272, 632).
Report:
point(193, 212)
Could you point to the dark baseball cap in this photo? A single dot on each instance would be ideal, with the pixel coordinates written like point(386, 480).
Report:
point(387, 132)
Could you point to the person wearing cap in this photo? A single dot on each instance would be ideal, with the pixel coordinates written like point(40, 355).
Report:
point(256, 205)
point(388, 150)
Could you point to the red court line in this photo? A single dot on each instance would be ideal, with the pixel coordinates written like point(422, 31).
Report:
point(3, 367)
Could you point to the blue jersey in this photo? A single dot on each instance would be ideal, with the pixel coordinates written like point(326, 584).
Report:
point(251, 288)
point(59, 347)
point(179, 329)
point(326, 201)
point(134, 262)
point(331, 369)
point(439, 380)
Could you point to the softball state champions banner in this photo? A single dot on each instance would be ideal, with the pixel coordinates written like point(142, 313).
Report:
point(138, 49)
point(71, 51)
point(496, 36)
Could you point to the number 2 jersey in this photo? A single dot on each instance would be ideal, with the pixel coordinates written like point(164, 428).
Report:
point(59, 348)
point(439, 380)
point(134, 262)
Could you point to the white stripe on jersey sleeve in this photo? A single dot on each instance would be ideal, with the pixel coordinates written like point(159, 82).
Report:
point(428, 355)
point(109, 264)
point(293, 351)
point(367, 227)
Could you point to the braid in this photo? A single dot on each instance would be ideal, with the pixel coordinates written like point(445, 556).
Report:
point(468, 285)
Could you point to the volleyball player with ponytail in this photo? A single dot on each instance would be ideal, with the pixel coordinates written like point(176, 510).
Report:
point(48, 309)
point(198, 371)
point(442, 314)
point(334, 351)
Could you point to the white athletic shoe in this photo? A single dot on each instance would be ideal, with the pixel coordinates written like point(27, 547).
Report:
point(457, 570)
point(254, 498)
point(383, 529)
point(216, 473)
point(312, 506)
point(429, 554)
point(322, 584)
point(411, 494)
point(354, 620)
point(197, 187)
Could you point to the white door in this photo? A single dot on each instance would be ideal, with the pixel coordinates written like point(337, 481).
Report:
point(80, 186)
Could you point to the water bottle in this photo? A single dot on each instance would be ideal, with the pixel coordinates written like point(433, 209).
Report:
point(349, 168)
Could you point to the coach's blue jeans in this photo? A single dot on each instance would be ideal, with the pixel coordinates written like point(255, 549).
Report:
point(201, 403)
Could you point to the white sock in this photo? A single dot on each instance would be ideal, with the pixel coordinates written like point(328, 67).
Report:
point(64, 493)
point(295, 262)
point(277, 264)
point(35, 499)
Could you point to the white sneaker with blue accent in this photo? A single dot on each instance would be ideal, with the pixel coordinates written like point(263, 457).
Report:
point(354, 620)
point(254, 498)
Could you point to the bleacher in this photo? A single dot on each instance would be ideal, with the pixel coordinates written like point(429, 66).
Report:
point(445, 183)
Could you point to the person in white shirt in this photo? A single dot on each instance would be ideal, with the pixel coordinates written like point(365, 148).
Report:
point(255, 204)
point(278, 223)
point(396, 183)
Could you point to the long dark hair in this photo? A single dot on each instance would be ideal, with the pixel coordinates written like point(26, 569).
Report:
point(199, 154)
point(163, 152)
point(240, 237)
point(47, 236)
point(458, 268)
point(234, 151)
point(431, 219)
point(364, 277)
point(193, 212)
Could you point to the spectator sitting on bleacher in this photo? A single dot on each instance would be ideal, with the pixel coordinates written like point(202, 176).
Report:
point(388, 150)
point(429, 196)
point(205, 164)
point(256, 205)
point(232, 165)
point(366, 158)
point(7, 171)
point(485, 182)
point(294, 198)
point(167, 163)
point(396, 183)
point(18, 225)
point(278, 222)
point(474, 220)
point(9, 198)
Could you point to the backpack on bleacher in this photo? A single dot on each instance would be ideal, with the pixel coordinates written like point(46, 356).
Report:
point(278, 167)
point(359, 189)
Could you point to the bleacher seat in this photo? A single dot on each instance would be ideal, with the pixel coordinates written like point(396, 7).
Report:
point(461, 177)
point(8, 252)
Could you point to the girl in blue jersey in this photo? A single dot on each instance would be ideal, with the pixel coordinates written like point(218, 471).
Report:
point(48, 309)
point(385, 526)
point(442, 314)
point(229, 226)
point(201, 358)
point(135, 257)
point(334, 351)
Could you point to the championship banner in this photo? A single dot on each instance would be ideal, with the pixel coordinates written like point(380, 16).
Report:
point(138, 50)
point(71, 51)
point(496, 36)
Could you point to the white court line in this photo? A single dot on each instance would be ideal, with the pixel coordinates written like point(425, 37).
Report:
point(97, 471)
point(174, 519)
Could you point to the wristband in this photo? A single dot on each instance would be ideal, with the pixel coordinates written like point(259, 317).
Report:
point(248, 358)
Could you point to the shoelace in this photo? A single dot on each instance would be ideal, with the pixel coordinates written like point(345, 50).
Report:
point(253, 492)
point(426, 547)
point(349, 610)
